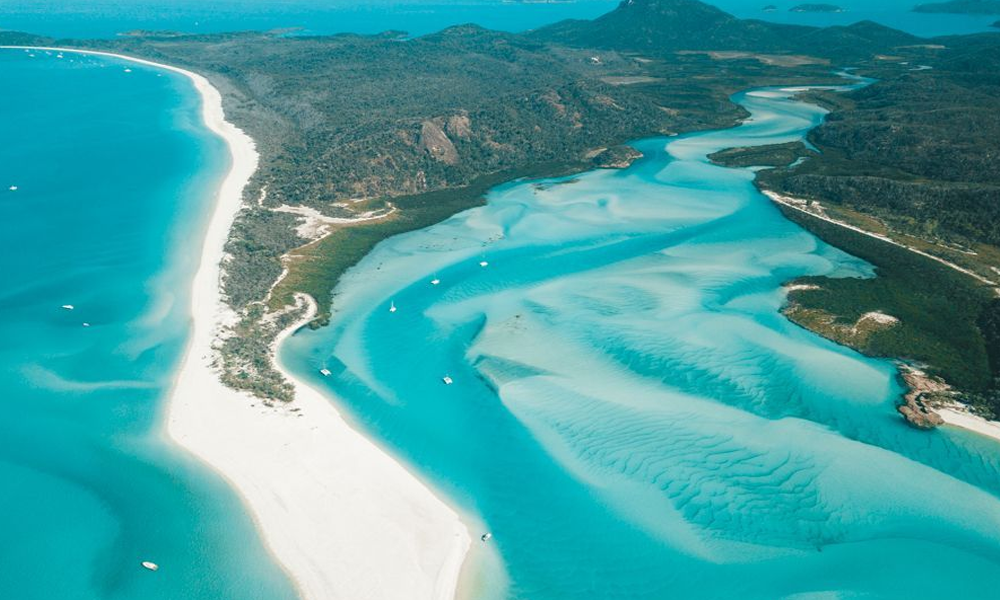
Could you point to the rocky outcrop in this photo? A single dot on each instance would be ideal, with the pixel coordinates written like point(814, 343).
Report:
point(926, 393)
point(436, 143)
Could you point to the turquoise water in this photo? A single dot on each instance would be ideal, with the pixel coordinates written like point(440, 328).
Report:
point(107, 18)
point(115, 174)
point(631, 416)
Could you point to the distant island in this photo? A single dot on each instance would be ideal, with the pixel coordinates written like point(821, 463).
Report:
point(816, 8)
point(962, 7)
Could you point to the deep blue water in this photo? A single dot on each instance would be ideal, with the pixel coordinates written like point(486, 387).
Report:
point(630, 414)
point(107, 18)
point(115, 176)
point(894, 13)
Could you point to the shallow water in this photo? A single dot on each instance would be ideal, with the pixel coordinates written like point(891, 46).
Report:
point(631, 416)
point(116, 176)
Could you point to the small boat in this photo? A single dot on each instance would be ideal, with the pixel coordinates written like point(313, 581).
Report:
point(13, 188)
point(392, 306)
point(86, 324)
point(435, 281)
point(68, 306)
point(152, 566)
point(128, 70)
point(59, 55)
point(483, 263)
point(486, 536)
point(447, 380)
point(325, 372)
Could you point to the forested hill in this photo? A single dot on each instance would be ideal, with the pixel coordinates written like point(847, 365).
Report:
point(666, 26)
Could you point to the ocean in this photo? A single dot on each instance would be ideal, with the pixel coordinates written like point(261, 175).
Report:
point(108, 18)
point(115, 177)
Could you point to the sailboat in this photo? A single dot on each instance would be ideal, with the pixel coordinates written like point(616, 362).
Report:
point(392, 306)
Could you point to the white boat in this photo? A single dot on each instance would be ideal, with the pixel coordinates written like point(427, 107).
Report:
point(447, 380)
point(486, 536)
point(392, 306)
point(59, 55)
point(68, 306)
point(325, 372)
point(128, 70)
point(152, 566)
point(483, 263)
point(13, 188)
point(86, 324)
point(435, 281)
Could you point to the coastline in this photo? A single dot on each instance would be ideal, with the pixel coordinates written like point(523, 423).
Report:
point(957, 415)
point(342, 517)
point(953, 414)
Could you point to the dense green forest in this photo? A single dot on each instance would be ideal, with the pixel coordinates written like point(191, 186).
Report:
point(914, 156)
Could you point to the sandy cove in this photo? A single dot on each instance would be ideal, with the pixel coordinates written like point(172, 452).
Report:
point(343, 518)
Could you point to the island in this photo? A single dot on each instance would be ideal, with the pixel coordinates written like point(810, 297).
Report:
point(616, 157)
point(961, 7)
point(341, 143)
point(341, 170)
point(816, 8)
point(779, 155)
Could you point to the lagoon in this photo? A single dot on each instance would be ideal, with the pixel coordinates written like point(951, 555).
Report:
point(630, 415)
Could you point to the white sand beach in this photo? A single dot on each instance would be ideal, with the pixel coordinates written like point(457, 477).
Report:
point(958, 416)
point(343, 518)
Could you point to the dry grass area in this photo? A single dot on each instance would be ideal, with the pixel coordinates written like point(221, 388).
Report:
point(629, 79)
point(774, 60)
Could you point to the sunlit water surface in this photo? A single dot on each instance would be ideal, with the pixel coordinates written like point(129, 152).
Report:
point(115, 178)
point(630, 414)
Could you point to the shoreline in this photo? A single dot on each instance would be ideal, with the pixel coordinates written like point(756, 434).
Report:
point(955, 415)
point(338, 514)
